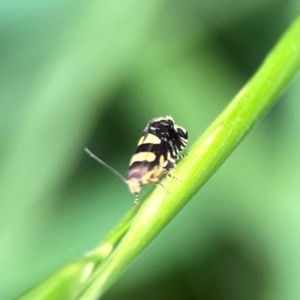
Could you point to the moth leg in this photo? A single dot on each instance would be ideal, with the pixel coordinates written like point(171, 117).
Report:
point(136, 200)
point(160, 184)
point(156, 181)
point(181, 156)
point(172, 176)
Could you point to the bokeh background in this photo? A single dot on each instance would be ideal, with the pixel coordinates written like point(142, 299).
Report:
point(93, 73)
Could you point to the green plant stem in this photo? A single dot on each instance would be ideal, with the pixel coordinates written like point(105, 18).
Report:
point(68, 282)
point(159, 207)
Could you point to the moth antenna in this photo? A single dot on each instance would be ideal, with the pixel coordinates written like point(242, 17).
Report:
point(100, 161)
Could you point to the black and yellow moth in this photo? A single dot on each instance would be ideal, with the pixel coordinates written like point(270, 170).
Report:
point(156, 154)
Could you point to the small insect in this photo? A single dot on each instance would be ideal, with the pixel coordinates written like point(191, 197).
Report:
point(156, 154)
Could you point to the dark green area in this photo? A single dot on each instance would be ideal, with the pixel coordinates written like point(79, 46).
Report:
point(93, 74)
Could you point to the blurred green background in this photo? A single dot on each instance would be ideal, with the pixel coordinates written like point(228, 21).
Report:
point(93, 73)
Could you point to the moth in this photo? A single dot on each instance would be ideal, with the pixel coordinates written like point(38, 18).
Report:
point(156, 154)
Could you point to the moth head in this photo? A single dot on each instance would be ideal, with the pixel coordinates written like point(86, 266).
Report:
point(161, 124)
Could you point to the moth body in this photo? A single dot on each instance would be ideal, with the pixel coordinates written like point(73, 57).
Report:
point(156, 154)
